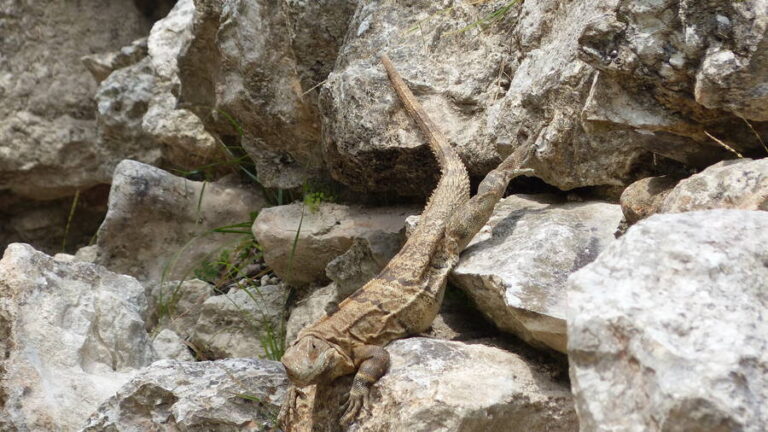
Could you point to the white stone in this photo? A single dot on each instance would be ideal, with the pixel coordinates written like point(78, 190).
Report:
point(515, 269)
point(72, 334)
point(668, 328)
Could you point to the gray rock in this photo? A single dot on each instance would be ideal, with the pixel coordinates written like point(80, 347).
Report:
point(437, 385)
point(176, 305)
point(737, 184)
point(360, 263)
point(324, 234)
point(101, 65)
point(241, 67)
point(225, 395)
point(310, 309)
point(516, 268)
point(48, 146)
point(71, 334)
point(667, 329)
point(241, 323)
point(168, 345)
point(158, 226)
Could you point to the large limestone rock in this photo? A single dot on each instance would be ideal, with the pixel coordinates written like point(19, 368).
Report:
point(221, 396)
point(324, 233)
point(242, 323)
point(737, 184)
point(71, 334)
point(48, 146)
point(435, 385)
point(668, 328)
point(177, 305)
point(158, 226)
point(591, 88)
point(516, 268)
point(248, 68)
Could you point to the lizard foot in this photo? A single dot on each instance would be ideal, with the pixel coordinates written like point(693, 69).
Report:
point(288, 411)
point(358, 398)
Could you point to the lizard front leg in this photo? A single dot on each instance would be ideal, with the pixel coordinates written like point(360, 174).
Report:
point(373, 365)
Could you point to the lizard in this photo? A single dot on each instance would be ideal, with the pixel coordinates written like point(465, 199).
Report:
point(405, 297)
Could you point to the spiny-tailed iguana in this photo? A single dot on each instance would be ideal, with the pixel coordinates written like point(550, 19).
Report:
point(406, 296)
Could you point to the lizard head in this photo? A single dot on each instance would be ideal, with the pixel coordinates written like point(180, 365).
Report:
point(311, 360)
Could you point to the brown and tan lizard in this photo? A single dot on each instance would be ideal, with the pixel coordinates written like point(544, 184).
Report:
point(405, 297)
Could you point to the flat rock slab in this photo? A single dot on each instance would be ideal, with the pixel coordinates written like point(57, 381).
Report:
point(324, 233)
point(225, 395)
point(668, 328)
point(435, 385)
point(516, 268)
point(158, 226)
point(71, 333)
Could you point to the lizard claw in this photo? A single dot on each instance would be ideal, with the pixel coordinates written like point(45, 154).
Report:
point(288, 410)
point(355, 402)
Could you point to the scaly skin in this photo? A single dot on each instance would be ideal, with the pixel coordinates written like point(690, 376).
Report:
point(406, 296)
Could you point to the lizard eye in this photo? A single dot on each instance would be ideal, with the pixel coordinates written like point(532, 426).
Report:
point(313, 346)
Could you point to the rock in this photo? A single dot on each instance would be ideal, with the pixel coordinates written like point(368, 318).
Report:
point(169, 119)
point(71, 334)
point(241, 323)
point(310, 309)
point(736, 184)
point(225, 395)
point(240, 68)
point(101, 65)
point(450, 386)
point(49, 148)
point(699, 75)
point(87, 254)
point(360, 263)
point(324, 234)
point(667, 328)
point(158, 226)
point(644, 197)
point(168, 345)
point(516, 268)
point(176, 305)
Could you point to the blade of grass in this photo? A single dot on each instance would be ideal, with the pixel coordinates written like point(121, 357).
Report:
point(69, 220)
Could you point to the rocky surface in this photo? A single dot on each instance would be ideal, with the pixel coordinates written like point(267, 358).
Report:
point(71, 334)
point(225, 395)
point(310, 309)
point(176, 305)
point(48, 146)
point(158, 226)
point(737, 184)
point(516, 268)
point(667, 328)
point(168, 345)
point(644, 197)
point(440, 385)
point(324, 233)
point(241, 323)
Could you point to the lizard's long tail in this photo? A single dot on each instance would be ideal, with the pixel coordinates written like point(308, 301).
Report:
point(453, 188)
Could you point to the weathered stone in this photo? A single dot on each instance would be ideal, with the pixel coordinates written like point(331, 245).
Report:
point(48, 147)
point(644, 197)
point(176, 305)
point(168, 345)
point(240, 68)
point(236, 324)
point(360, 263)
point(158, 226)
point(221, 396)
point(101, 65)
point(324, 234)
point(71, 334)
point(737, 184)
point(449, 386)
point(668, 328)
point(310, 309)
point(516, 268)
point(700, 74)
